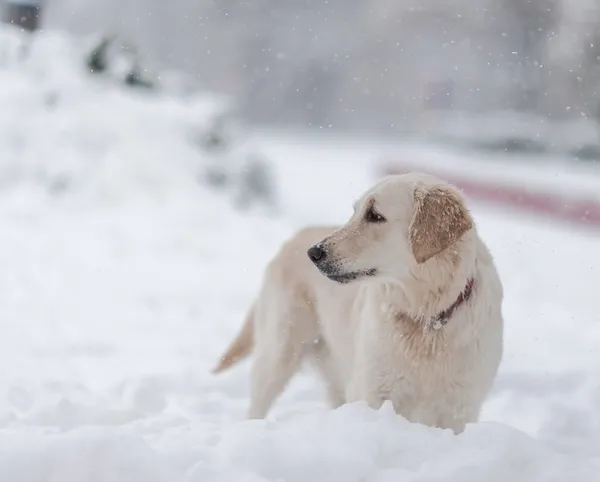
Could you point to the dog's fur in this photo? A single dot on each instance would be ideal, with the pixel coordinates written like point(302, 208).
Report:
point(364, 317)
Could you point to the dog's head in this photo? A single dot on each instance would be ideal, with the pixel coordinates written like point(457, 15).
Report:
point(401, 223)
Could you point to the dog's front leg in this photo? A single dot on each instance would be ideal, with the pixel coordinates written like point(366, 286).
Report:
point(372, 375)
point(368, 381)
point(359, 391)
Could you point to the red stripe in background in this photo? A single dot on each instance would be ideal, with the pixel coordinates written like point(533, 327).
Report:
point(555, 206)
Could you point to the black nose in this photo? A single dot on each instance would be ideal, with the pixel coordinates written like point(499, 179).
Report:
point(316, 253)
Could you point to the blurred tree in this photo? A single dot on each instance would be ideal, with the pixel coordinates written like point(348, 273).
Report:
point(365, 64)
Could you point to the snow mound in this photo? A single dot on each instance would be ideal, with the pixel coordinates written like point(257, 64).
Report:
point(65, 130)
point(350, 444)
point(355, 443)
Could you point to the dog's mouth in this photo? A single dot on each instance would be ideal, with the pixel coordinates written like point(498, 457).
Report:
point(344, 278)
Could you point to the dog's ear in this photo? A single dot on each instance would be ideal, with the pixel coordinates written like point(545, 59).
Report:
point(440, 219)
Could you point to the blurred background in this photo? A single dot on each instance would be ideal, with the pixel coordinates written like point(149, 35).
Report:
point(391, 68)
point(154, 155)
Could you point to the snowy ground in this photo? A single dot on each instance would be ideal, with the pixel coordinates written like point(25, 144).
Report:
point(118, 296)
point(113, 315)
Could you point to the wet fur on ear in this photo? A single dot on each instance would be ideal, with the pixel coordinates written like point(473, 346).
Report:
point(440, 219)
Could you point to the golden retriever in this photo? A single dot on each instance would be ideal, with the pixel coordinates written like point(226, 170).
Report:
point(402, 303)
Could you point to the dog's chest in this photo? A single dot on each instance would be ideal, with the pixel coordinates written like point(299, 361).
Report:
point(424, 387)
point(427, 361)
point(409, 360)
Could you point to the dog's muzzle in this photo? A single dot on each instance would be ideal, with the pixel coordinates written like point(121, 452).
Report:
point(318, 255)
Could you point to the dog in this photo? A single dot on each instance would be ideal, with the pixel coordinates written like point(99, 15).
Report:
point(401, 304)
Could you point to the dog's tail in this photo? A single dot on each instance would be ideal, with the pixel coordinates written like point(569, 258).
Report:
point(241, 347)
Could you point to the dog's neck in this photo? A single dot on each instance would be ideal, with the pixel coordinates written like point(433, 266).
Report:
point(439, 289)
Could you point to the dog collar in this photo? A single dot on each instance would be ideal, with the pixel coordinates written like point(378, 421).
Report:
point(442, 318)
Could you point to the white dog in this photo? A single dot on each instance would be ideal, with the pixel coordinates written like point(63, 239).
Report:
point(404, 304)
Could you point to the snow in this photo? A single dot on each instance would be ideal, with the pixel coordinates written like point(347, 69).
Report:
point(119, 292)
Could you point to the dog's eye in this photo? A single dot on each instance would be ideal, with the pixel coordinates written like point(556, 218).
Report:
point(372, 216)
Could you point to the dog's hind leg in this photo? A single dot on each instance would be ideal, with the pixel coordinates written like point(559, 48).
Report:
point(282, 341)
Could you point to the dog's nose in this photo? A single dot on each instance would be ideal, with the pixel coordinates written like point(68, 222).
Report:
point(316, 253)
